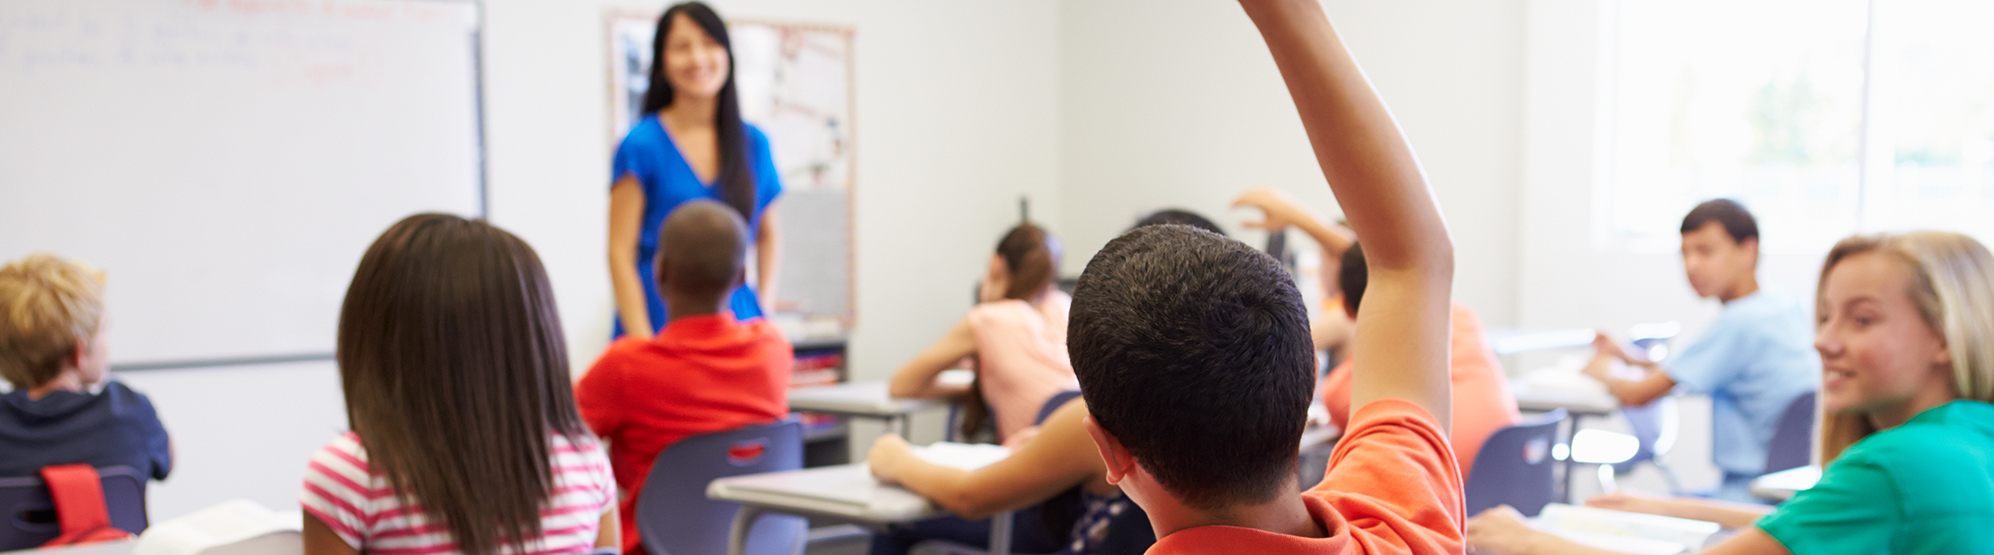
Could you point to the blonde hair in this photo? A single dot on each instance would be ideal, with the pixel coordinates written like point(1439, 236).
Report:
point(48, 305)
point(1953, 286)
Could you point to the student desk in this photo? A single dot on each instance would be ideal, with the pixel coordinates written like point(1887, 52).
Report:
point(1780, 486)
point(105, 548)
point(868, 400)
point(846, 493)
point(1509, 341)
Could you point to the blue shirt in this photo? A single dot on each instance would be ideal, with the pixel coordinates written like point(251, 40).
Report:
point(649, 154)
point(1753, 361)
point(116, 427)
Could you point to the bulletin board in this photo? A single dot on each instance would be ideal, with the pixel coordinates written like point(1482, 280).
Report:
point(795, 82)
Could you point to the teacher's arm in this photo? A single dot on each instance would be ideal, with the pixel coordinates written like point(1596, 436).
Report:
point(626, 221)
point(768, 258)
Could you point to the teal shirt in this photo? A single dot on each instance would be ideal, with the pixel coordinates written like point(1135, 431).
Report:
point(1924, 487)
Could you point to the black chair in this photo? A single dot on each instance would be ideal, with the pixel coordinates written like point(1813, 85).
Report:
point(1515, 467)
point(1793, 439)
point(674, 517)
point(30, 512)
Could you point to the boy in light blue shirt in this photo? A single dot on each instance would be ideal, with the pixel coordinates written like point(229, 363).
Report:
point(1753, 360)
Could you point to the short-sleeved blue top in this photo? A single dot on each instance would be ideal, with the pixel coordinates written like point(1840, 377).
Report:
point(649, 153)
point(1753, 361)
point(115, 427)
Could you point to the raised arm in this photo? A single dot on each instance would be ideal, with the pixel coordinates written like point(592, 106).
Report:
point(917, 379)
point(1401, 341)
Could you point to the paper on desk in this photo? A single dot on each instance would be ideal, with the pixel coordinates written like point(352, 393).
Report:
point(1622, 528)
point(1563, 376)
point(232, 527)
point(966, 456)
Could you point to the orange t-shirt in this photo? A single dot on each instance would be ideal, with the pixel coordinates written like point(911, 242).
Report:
point(1482, 401)
point(700, 374)
point(1391, 488)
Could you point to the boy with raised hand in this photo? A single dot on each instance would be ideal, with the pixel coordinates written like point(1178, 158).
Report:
point(1193, 351)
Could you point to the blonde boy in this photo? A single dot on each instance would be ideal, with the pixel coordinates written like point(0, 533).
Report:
point(52, 353)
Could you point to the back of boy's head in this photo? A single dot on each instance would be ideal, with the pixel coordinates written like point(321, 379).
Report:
point(48, 305)
point(1193, 351)
point(455, 371)
point(1351, 277)
point(1736, 220)
point(702, 249)
point(1179, 216)
point(1032, 256)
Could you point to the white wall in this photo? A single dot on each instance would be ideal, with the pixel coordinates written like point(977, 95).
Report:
point(1178, 104)
point(957, 117)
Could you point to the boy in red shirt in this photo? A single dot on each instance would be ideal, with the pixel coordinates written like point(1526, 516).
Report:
point(1193, 351)
point(704, 372)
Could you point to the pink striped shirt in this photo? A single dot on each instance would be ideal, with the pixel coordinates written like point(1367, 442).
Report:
point(342, 491)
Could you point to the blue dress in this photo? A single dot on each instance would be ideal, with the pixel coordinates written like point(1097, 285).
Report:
point(649, 154)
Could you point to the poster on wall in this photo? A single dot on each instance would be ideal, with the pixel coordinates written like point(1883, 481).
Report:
point(795, 84)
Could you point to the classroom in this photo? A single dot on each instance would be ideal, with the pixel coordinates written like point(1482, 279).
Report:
point(1592, 230)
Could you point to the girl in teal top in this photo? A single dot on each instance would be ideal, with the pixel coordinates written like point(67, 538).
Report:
point(1906, 338)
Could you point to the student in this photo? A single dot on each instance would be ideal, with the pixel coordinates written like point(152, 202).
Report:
point(1059, 458)
point(1482, 402)
point(1194, 356)
point(1017, 333)
point(704, 372)
point(64, 408)
point(1906, 339)
point(1753, 360)
point(1331, 331)
point(464, 433)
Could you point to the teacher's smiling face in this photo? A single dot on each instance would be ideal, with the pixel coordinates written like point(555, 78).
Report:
point(695, 64)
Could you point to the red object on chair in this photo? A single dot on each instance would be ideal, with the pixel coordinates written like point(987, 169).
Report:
point(79, 505)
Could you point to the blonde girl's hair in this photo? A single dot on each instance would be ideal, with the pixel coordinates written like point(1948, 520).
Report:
point(1953, 286)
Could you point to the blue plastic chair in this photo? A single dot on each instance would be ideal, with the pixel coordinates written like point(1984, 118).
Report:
point(1515, 467)
point(675, 517)
point(1793, 439)
point(30, 513)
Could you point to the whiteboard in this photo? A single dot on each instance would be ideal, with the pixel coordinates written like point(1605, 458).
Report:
point(226, 162)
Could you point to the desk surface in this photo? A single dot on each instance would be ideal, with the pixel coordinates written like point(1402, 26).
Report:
point(867, 398)
point(1509, 341)
point(845, 491)
point(105, 548)
point(1578, 403)
point(1780, 486)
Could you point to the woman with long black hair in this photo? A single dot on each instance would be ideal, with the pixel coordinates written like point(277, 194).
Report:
point(689, 144)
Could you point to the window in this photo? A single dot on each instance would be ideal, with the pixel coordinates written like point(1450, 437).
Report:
point(1823, 116)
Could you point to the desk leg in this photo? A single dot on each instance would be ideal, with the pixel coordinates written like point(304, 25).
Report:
point(737, 537)
point(1000, 533)
point(1568, 432)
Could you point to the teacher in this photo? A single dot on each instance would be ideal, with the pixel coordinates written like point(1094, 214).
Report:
point(690, 144)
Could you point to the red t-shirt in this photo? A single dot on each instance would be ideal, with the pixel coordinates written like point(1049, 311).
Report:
point(700, 374)
point(1392, 487)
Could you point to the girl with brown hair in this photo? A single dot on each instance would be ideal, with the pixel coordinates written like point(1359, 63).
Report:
point(465, 437)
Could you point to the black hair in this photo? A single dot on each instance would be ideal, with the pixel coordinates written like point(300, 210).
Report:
point(1351, 277)
point(1181, 217)
point(702, 249)
point(730, 135)
point(1193, 350)
point(1737, 221)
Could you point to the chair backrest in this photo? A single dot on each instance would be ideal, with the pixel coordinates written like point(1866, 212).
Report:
point(1793, 439)
point(29, 513)
point(1053, 404)
point(674, 517)
point(1515, 467)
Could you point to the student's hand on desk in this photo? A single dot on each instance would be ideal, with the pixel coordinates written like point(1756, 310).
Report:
point(887, 458)
point(1501, 531)
point(1279, 209)
point(1630, 501)
point(1604, 345)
